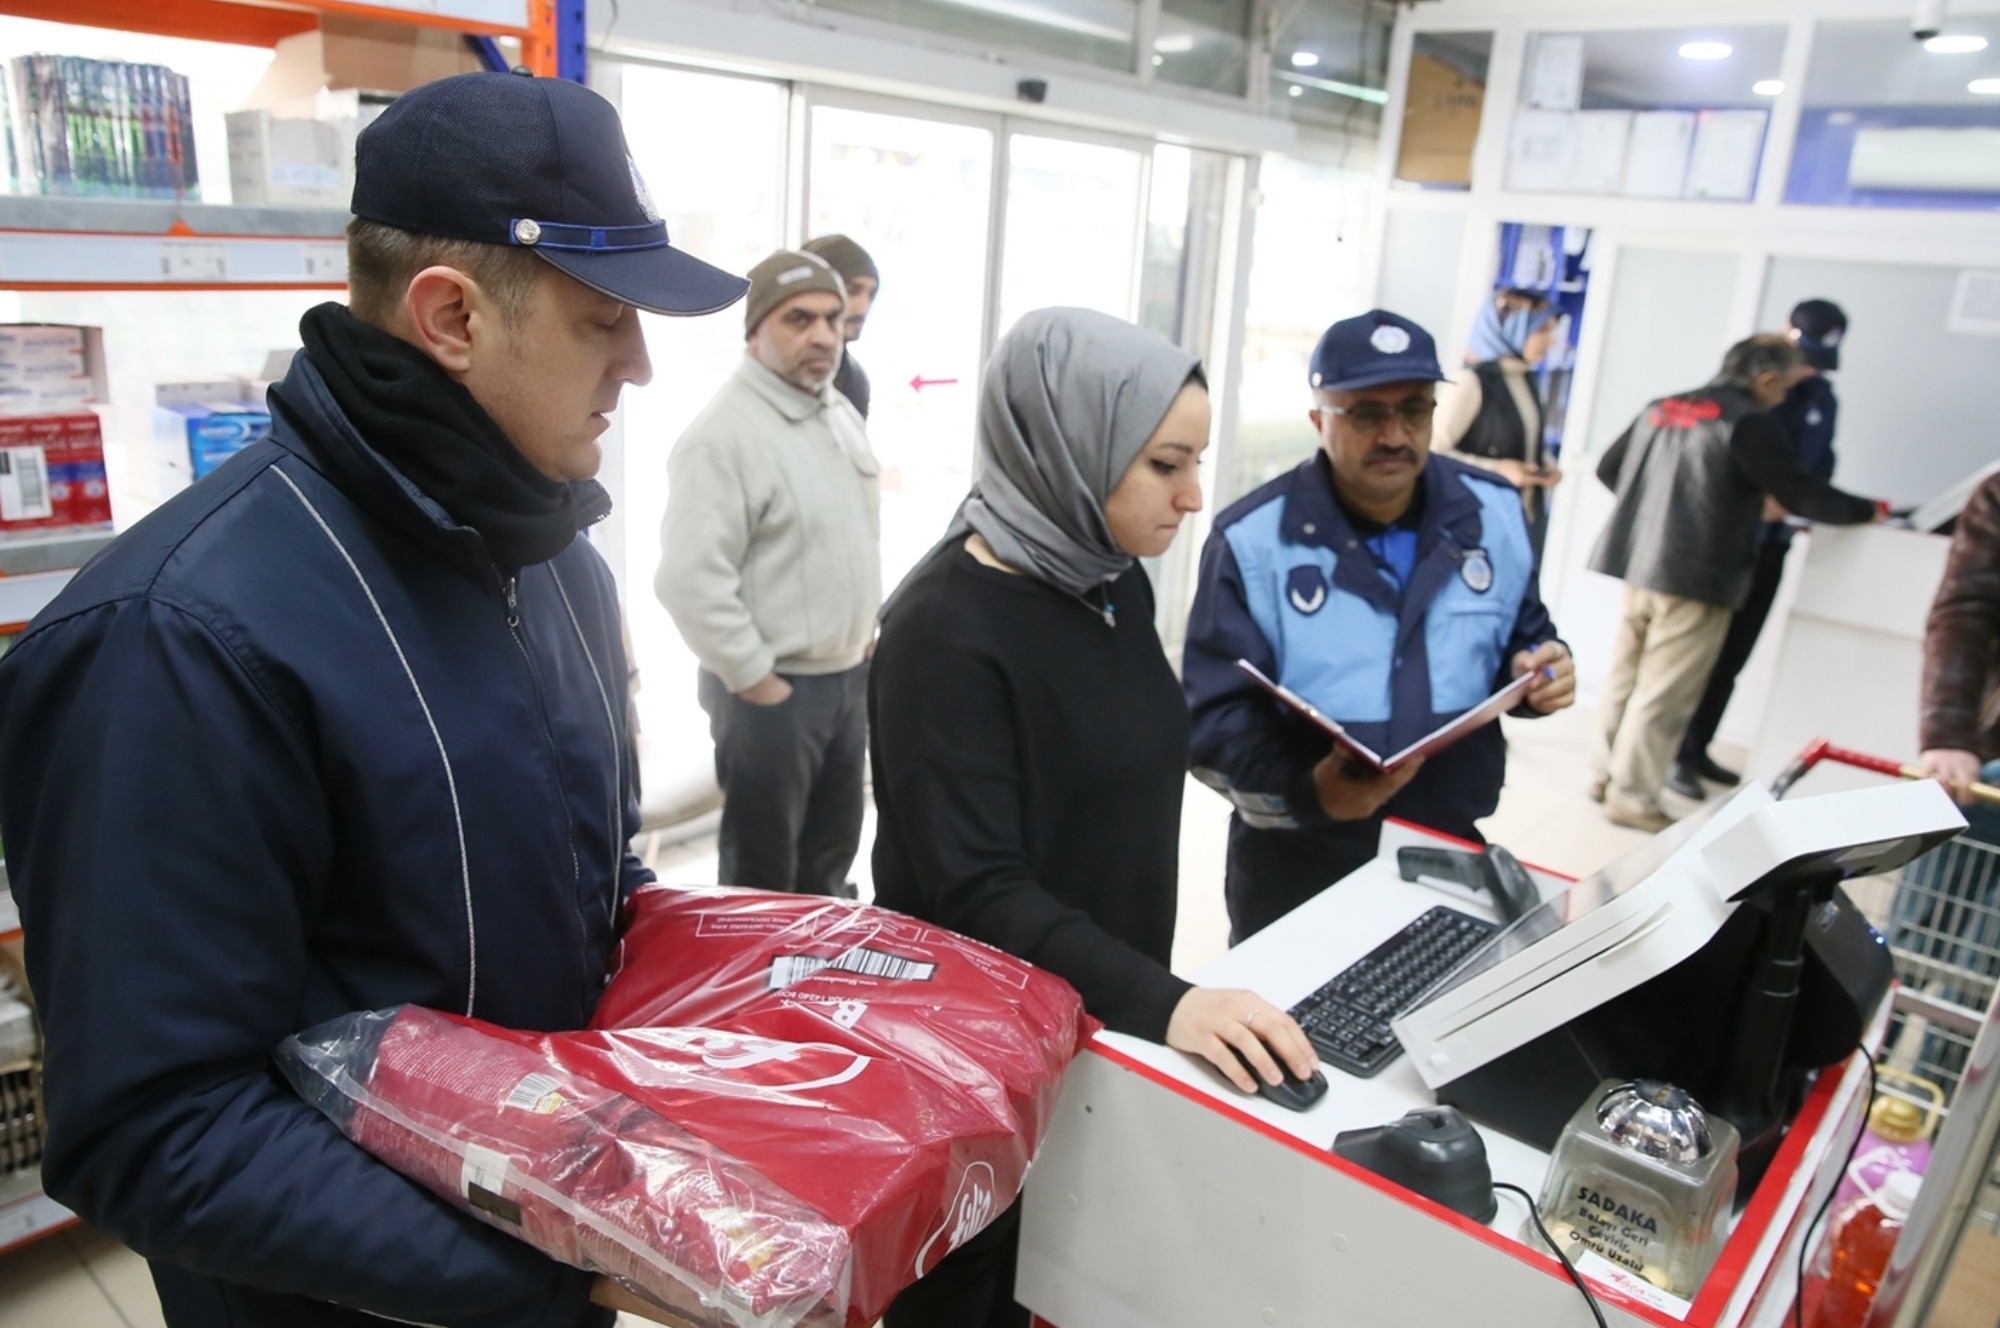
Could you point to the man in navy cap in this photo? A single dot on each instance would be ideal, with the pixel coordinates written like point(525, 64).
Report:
point(342, 727)
point(1391, 589)
point(1807, 416)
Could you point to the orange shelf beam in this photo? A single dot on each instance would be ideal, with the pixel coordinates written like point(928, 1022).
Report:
point(244, 24)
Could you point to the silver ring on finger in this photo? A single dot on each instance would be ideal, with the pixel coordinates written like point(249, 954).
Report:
point(1250, 1018)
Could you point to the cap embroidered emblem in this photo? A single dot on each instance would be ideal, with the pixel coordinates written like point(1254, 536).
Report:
point(640, 192)
point(1390, 339)
point(1316, 378)
point(527, 230)
point(792, 274)
point(1832, 338)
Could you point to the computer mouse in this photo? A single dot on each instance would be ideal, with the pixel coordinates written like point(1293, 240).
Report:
point(1293, 1094)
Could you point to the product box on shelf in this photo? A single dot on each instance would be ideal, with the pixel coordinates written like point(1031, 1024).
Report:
point(48, 367)
point(192, 438)
point(282, 161)
point(52, 473)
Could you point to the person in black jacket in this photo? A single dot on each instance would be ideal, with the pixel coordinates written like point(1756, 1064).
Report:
point(864, 281)
point(1690, 476)
point(341, 727)
point(1808, 414)
point(1028, 738)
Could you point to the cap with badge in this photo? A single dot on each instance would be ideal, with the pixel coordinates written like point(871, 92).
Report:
point(1376, 348)
point(537, 162)
point(1819, 326)
point(783, 276)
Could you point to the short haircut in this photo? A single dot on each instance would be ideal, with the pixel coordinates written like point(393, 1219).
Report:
point(381, 260)
point(1767, 352)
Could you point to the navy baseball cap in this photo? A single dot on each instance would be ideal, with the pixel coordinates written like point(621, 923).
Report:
point(1821, 326)
point(1376, 348)
point(536, 162)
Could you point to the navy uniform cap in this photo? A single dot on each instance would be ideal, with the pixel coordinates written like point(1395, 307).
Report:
point(1820, 326)
point(536, 162)
point(1376, 348)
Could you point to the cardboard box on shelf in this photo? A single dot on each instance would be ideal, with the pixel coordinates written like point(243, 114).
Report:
point(1440, 123)
point(357, 53)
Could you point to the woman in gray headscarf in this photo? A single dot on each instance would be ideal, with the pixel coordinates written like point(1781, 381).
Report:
point(1028, 737)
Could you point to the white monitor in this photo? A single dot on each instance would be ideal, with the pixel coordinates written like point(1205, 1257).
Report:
point(1652, 909)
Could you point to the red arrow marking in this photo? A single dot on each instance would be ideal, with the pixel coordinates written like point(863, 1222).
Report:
point(919, 383)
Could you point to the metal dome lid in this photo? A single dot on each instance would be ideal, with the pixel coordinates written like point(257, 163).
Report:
point(1656, 1119)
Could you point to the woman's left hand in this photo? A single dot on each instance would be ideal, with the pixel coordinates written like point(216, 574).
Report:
point(1208, 1021)
point(1556, 687)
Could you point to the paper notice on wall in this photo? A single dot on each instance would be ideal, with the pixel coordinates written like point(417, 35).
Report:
point(1975, 305)
point(1599, 164)
point(1723, 163)
point(1555, 73)
point(1540, 151)
point(1656, 159)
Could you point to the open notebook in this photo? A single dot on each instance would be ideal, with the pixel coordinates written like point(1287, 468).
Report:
point(1441, 737)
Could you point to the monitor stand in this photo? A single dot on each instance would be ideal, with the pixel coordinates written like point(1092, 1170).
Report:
point(1749, 1093)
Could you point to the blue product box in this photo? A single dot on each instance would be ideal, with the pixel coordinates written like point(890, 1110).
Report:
point(193, 438)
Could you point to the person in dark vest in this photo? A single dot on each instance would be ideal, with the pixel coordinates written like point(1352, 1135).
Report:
point(1691, 474)
point(1818, 326)
point(1490, 412)
point(863, 280)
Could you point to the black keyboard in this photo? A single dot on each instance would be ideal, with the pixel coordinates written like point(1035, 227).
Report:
point(1348, 1017)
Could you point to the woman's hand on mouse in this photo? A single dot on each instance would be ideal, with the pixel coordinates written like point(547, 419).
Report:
point(1208, 1021)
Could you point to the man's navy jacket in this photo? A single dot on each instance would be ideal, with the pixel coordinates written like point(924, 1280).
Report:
point(292, 747)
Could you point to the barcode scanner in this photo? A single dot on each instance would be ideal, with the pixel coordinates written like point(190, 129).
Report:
point(1492, 869)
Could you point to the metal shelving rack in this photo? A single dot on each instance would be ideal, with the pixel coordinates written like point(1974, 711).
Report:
point(98, 244)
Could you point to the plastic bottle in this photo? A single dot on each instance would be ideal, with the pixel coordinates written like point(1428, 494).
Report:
point(1898, 1138)
point(1863, 1239)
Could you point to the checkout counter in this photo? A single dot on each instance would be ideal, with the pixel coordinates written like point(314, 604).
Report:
point(1165, 1198)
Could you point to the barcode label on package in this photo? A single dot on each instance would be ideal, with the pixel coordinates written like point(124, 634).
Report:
point(787, 969)
point(24, 484)
point(537, 1093)
point(483, 1180)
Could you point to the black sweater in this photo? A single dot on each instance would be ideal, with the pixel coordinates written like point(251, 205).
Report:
point(1029, 762)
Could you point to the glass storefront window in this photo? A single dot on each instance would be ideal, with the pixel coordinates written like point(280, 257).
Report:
point(1657, 113)
point(1072, 227)
point(916, 193)
point(1305, 274)
point(1204, 44)
point(1892, 122)
point(721, 192)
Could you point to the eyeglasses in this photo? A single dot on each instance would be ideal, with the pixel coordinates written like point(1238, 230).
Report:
point(1373, 417)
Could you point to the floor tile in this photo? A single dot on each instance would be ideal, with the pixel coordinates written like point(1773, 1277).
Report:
point(45, 1284)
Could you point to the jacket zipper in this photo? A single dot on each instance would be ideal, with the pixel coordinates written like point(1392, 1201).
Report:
point(510, 593)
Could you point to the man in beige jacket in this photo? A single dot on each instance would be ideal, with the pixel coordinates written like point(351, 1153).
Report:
point(770, 565)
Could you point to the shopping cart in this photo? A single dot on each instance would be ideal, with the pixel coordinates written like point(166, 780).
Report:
point(1940, 915)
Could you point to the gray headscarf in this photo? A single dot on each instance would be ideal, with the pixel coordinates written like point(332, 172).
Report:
point(1070, 398)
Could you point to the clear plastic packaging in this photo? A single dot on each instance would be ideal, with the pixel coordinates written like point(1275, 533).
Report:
point(787, 1108)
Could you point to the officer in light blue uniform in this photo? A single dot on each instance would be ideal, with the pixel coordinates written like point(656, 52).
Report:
point(1393, 590)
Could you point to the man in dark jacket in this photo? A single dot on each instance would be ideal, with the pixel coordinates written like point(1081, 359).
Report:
point(864, 281)
point(1392, 589)
point(341, 727)
point(1807, 414)
point(1690, 475)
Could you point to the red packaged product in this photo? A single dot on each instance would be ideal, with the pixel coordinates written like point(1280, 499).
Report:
point(786, 1110)
point(89, 486)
